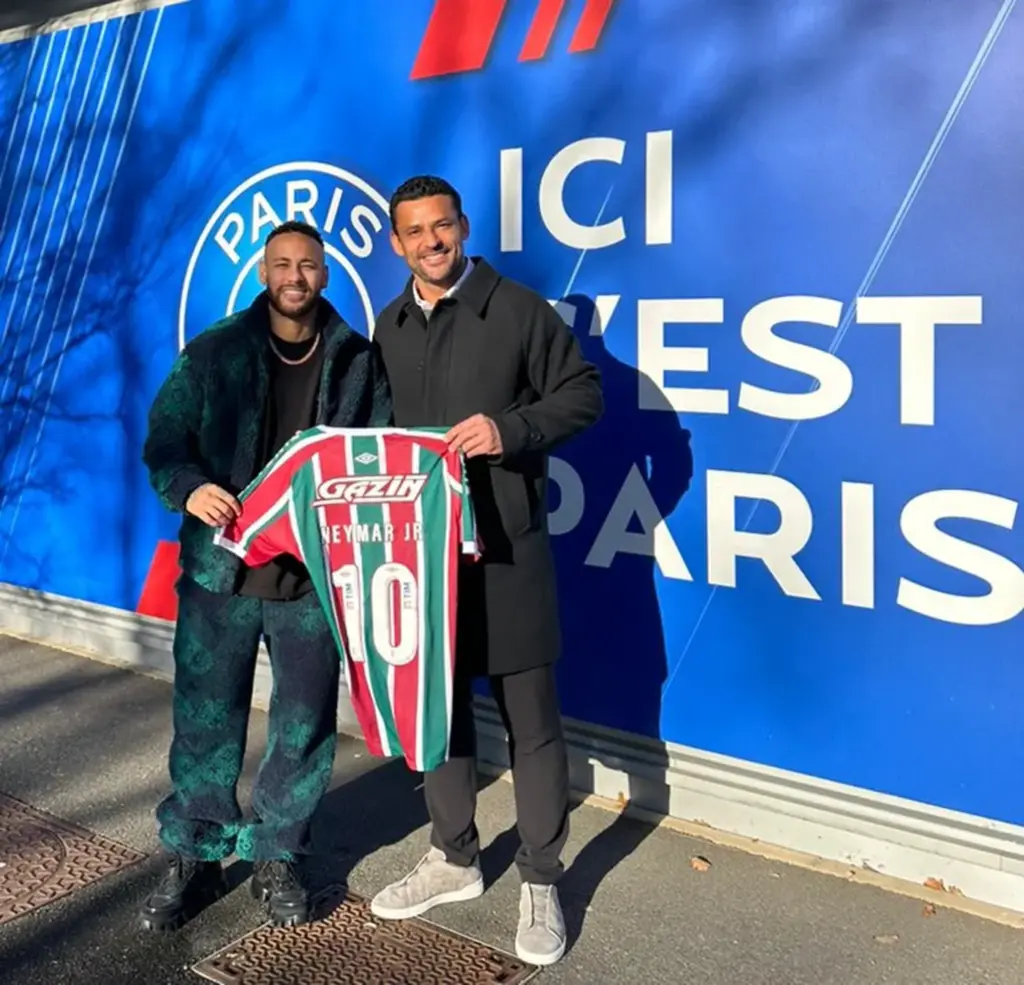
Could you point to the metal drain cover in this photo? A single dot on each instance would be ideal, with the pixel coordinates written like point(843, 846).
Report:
point(347, 945)
point(43, 859)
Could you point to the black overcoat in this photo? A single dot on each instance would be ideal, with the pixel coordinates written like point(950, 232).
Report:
point(497, 348)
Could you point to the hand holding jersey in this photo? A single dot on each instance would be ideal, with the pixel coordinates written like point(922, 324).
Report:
point(380, 517)
point(477, 435)
point(213, 505)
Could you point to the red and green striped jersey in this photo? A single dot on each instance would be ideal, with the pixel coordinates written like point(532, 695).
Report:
point(380, 517)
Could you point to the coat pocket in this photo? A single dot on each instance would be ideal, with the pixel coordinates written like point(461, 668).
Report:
point(515, 501)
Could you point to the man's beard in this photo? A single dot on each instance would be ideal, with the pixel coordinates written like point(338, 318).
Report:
point(307, 306)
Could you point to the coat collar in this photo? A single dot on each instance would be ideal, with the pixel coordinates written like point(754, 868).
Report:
point(476, 290)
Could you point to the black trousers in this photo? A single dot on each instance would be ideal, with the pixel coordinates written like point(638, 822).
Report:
point(215, 650)
point(528, 703)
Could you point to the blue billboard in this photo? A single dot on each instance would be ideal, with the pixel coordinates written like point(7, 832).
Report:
point(789, 236)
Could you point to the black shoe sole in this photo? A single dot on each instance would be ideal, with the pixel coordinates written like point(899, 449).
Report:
point(157, 922)
point(292, 916)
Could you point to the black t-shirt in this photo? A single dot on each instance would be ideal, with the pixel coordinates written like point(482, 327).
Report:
point(292, 407)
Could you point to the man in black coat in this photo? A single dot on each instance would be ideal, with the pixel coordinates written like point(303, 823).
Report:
point(467, 349)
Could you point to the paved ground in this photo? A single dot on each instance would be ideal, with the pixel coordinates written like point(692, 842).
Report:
point(88, 743)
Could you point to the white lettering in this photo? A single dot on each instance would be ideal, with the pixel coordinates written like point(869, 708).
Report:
point(655, 358)
point(595, 234)
point(658, 199)
point(552, 194)
point(655, 540)
point(361, 216)
point(332, 211)
point(572, 498)
point(777, 550)
point(234, 222)
point(305, 207)
point(262, 215)
point(917, 318)
point(834, 376)
point(604, 309)
point(511, 200)
point(858, 544)
point(919, 523)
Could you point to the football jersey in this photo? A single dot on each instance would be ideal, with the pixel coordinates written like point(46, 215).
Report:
point(380, 517)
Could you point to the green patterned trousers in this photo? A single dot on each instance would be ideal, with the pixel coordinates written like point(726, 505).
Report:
point(215, 649)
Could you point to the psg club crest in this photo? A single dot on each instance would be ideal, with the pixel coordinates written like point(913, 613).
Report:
point(222, 276)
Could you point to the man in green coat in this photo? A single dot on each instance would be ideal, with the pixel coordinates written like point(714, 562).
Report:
point(235, 395)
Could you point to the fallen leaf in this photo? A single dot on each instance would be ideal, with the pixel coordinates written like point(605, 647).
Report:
point(699, 864)
point(956, 890)
point(887, 938)
point(620, 799)
point(936, 884)
point(929, 910)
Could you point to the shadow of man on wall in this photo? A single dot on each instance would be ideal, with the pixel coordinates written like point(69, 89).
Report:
point(634, 466)
point(614, 661)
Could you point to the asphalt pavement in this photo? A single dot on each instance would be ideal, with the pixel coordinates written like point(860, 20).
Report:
point(87, 742)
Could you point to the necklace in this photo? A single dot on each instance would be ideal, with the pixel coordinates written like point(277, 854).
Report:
point(301, 360)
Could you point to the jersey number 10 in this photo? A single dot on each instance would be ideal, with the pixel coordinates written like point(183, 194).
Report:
point(383, 606)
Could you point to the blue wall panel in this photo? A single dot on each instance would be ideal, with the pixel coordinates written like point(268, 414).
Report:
point(820, 152)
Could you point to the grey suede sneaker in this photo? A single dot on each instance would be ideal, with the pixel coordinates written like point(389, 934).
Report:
point(434, 880)
point(540, 939)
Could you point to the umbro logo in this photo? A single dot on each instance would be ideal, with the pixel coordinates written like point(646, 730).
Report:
point(366, 458)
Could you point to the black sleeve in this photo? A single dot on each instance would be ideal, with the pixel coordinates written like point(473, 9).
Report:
point(569, 389)
point(170, 449)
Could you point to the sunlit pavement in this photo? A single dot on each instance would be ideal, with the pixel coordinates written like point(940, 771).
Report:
point(88, 742)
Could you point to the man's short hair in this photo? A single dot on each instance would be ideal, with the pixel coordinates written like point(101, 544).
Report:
point(423, 186)
point(294, 226)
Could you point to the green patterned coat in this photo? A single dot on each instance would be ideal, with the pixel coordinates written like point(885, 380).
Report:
point(206, 421)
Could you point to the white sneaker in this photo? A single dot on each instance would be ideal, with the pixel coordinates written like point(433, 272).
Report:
point(540, 939)
point(434, 880)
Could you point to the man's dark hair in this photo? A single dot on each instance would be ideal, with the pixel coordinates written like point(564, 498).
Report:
point(294, 226)
point(423, 186)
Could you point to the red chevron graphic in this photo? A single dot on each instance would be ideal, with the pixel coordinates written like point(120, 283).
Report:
point(545, 20)
point(460, 34)
point(592, 22)
point(458, 37)
point(158, 598)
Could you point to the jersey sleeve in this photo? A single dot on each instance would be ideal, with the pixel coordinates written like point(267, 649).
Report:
point(458, 478)
point(264, 530)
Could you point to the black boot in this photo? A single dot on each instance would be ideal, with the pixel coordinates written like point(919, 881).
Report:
point(278, 884)
point(184, 889)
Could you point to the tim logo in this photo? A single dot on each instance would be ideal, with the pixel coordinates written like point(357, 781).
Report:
point(351, 215)
point(370, 490)
point(460, 33)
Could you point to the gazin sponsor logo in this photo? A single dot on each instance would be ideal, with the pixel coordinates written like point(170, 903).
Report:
point(362, 490)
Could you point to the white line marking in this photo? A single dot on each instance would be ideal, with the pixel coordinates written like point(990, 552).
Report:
point(99, 14)
point(883, 251)
point(85, 274)
point(17, 167)
point(55, 265)
point(17, 117)
point(35, 222)
point(66, 269)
